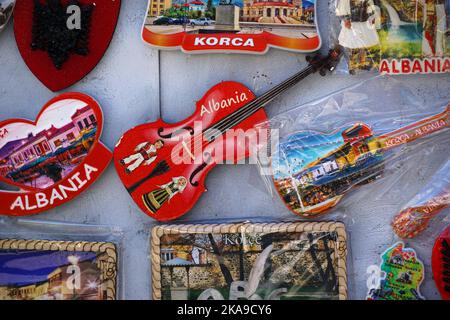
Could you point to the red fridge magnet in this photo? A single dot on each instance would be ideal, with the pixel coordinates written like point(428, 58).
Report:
point(62, 41)
point(54, 158)
point(440, 263)
point(240, 26)
point(164, 166)
point(6, 10)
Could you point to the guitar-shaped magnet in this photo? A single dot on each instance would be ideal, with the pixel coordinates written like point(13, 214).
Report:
point(312, 171)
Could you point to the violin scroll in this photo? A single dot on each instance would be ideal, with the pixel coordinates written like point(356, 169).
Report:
point(324, 64)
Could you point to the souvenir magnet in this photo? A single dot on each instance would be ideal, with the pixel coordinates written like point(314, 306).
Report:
point(428, 203)
point(164, 166)
point(312, 171)
point(271, 261)
point(440, 263)
point(395, 37)
point(403, 275)
point(57, 270)
point(248, 26)
point(6, 11)
point(53, 159)
point(61, 41)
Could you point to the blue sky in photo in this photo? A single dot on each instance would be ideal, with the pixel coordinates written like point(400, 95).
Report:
point(24, 267)
point(300, 149)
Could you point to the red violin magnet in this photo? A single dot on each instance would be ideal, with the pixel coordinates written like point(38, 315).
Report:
point(314, 170)
point(53, 159)
point(440, 263)
point(164, 166)
point(61, 41)
point(198, 26)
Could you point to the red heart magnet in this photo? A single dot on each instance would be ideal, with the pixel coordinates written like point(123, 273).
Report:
point(53, 159)
point(61, 41)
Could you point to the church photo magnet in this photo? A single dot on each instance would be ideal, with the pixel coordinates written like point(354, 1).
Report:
point(57, 270)
point(51, 160)
point(61, 41)
point(241, 26)
point(249, 261)
point(394, 36)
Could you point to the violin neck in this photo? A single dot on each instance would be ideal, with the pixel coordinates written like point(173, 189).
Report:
point(260, 102)
point(416, 130)
point(267, 97)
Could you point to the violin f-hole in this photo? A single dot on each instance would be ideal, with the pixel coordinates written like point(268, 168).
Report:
point(198, 169)
point(175, 133)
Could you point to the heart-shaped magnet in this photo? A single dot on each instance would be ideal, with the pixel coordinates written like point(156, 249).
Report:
point(61, 41)
point(54, 158)
point(6, 10)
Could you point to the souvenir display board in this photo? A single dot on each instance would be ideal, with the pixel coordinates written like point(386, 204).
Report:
point(249, 26)
point(57, 270)
point(298, 260)
point(53, 159)
point(6, 11)
point(62, 41)
point(393, 36)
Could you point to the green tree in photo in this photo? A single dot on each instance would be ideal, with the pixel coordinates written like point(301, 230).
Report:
point(210, 11)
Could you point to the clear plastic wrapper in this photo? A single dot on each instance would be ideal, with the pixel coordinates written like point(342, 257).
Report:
point(392, 36)
point(323, 150)
point(47, 260)
point(387, 108)
point(270, 260)
point(426, 205)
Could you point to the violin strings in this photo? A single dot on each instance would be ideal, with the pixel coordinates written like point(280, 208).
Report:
point(253, 106)
point(258, 103)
